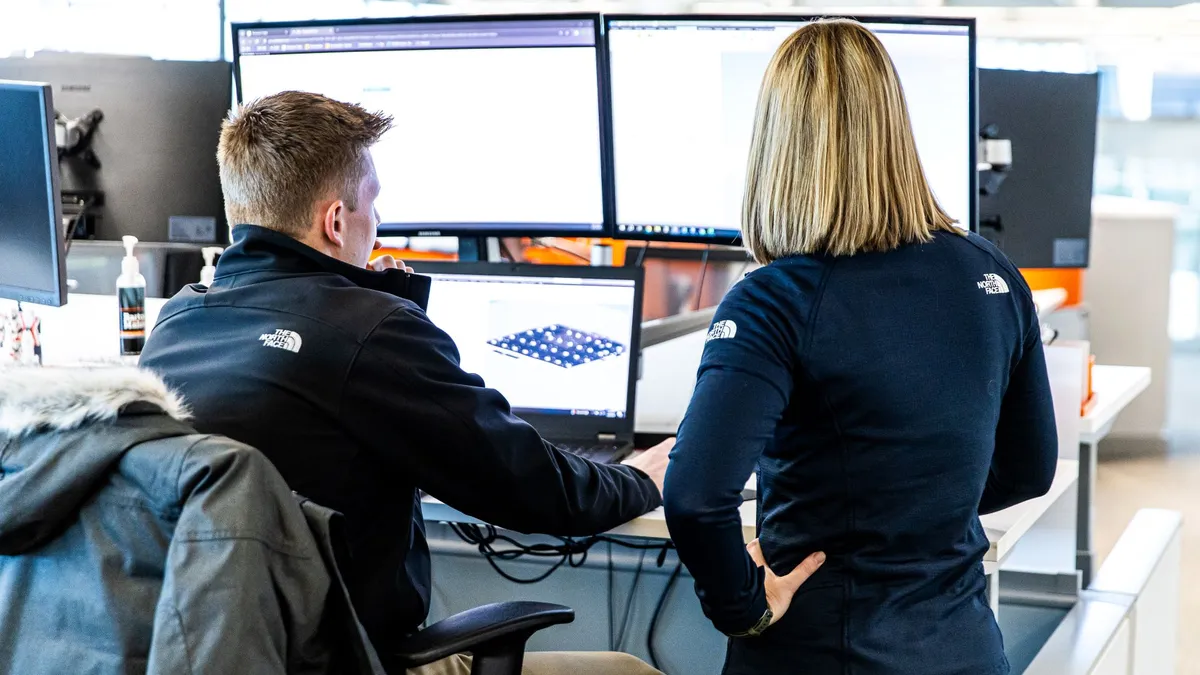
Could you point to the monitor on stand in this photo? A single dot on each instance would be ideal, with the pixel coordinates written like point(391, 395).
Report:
point(139, 143)
point(498, 120)
point(684, 91)
point(1040, 215)
point(32, 253)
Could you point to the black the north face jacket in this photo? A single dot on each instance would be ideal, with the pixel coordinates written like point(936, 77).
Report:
point(359, 400)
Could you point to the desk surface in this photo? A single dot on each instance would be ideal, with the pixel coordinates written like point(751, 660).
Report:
point(1003, 529)
point(1114, 388)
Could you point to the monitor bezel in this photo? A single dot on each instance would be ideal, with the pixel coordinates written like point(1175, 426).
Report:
point(424, 230)
point(57, 296)
point(568, 426)
point(968, 22)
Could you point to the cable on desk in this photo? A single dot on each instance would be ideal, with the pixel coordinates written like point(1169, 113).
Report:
point(662, 601)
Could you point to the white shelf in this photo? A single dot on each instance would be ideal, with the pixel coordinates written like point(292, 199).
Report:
point(1114, 388)
point(1049, 301)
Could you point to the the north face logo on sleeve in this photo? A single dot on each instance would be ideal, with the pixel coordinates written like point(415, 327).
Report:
point(993, 284)
point(722, 330)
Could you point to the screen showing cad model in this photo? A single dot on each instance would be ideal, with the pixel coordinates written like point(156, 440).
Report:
point(497, 123)
point(551, 345)
point(684, 94)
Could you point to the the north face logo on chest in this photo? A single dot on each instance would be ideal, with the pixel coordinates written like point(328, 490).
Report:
point(993, 284)
point(282, 339)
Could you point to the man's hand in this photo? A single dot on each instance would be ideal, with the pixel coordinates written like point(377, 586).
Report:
point(781, 589)
point(653, 462)
point(387, 262)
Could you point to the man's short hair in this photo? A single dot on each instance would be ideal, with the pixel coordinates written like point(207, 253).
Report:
point(280, 154)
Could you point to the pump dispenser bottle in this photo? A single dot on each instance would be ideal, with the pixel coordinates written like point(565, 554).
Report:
point(131, 297)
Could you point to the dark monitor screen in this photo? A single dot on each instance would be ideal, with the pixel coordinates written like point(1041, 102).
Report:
point(684, 91)
point(497, 119)
point(1041, 215)
point(156, 145)
point(32, 260)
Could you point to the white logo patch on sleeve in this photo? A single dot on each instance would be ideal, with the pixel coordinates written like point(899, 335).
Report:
point(722, 330)
point(282, 339)
point(993, 284)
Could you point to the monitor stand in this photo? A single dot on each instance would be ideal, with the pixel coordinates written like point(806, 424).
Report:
point(478, 249)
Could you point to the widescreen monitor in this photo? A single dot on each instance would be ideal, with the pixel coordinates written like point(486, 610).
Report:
point(684, 91)
point(498, 120)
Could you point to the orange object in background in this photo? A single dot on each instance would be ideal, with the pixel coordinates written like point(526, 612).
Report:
point(1089, 396)
point(1045, 279)
point(409, 255)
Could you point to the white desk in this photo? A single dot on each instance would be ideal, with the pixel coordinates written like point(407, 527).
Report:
point(1114, 388)
point(1003, 529)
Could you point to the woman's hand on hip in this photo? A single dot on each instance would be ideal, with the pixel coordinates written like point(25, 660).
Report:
point(781, 589)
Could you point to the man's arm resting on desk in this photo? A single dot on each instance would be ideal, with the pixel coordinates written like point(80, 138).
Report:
point(461, 443)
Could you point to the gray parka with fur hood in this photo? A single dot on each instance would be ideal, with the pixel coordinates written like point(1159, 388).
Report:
point(128, 543)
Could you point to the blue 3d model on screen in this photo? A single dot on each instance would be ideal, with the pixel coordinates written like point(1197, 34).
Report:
point(556, 345)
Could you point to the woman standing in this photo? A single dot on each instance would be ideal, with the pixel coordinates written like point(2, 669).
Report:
point(884, 372)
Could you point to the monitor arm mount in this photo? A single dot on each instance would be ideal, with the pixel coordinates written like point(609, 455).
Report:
point(74, 137)
point(995, 161)
point(74, 140)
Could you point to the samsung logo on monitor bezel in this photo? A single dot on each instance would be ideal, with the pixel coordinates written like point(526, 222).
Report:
point(84, 88)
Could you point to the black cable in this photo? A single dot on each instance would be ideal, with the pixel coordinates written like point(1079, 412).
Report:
point(506, 251)
point(569, 551)
point(517, 580)
point(555, 247)
point(73, 226)
point(703, 273)
point(612, 624)
point(662, 601)
point(642, 254)
point(623, 632)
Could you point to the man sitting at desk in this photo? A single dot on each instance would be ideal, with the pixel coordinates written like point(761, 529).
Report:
point(304, 351)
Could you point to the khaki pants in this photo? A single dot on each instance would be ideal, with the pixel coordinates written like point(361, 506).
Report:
point(552, 663)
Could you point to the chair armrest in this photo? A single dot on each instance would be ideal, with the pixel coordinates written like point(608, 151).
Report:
point(480, 630)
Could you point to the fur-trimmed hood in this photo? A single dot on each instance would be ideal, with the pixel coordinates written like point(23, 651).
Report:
point(62, 431)
point(60, 399)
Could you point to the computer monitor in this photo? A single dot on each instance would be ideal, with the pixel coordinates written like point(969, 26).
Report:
point(498, 125)
point(1041, 214)
point(684, 91)
point(560, 342)
point(32, 255)
point(156, 146)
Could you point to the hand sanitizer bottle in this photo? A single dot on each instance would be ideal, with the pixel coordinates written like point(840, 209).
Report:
point(131, 297)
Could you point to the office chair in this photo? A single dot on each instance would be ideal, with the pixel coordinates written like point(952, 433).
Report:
point(495, 635)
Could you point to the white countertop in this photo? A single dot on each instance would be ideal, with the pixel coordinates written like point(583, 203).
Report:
point(1049, 301)
point(1114, 388)
point(1003, 529)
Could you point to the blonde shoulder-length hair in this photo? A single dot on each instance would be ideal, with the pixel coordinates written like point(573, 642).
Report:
point(833, 166)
